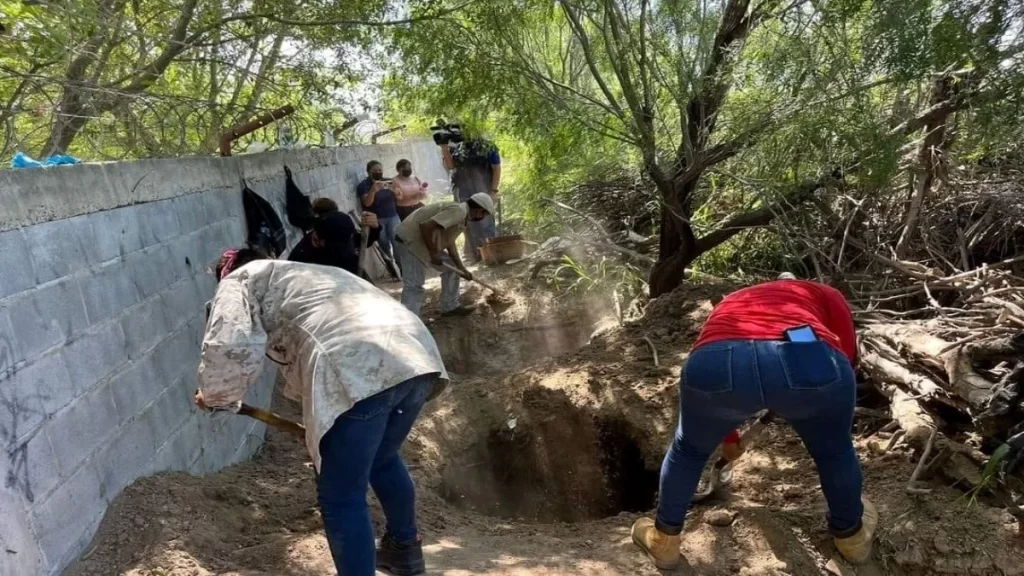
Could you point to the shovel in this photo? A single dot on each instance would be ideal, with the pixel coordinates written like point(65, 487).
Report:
point(496, 299)
point(721, 472)
point(364, 235)
point(270, 419)
point(448, 266)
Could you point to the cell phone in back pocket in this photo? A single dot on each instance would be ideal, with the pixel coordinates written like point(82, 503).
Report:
point(801, 334)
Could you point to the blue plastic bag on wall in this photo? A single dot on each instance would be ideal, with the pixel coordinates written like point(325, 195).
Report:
point(21, 160)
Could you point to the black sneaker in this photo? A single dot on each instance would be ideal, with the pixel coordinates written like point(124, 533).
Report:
point(400, 559)
point(458, 312)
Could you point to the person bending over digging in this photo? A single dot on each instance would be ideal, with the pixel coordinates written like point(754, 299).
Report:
point(788, 346)
point(361, 365)
point(334, 241)
point(423, 238)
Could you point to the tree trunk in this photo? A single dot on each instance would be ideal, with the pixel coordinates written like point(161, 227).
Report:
point(71, 117)
point(930, 157)
point(677, 246)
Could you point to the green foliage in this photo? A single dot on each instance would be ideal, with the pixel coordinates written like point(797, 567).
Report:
point(109, 79)
point(604, 275)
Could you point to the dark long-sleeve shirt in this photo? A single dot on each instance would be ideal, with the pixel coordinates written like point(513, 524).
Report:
point(342, 255)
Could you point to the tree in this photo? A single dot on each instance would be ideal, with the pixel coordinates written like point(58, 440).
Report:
point(695, 88)
point(126, 78)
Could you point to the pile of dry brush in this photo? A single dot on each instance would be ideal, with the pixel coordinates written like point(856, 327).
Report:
point(940, 309)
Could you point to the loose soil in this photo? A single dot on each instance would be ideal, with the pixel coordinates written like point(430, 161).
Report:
point(537, 460)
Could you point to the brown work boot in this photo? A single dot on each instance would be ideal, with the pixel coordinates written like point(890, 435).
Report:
point(857, 548)
point(660, 547)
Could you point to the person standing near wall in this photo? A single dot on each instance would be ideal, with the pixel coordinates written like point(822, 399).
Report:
point(476, 166)
point(362, 367)
point(423, 239)
point(409, 191)
point(376, 195)
point(788, 346)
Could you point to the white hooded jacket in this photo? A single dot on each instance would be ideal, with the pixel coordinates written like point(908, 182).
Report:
point(337, 338)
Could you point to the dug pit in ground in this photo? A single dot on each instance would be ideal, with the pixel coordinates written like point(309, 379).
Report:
point(551, 461)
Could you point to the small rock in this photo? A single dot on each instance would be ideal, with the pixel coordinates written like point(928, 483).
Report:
point(791, 491)
point(942, 543)
point(837, 569)
point(139, 521)
point(720, 517)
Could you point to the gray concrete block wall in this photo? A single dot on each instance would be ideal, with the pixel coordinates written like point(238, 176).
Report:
point(104, 272)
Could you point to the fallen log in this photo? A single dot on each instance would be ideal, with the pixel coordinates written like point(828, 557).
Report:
point(963, 380)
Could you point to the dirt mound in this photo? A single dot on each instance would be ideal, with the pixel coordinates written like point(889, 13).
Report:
point(536, 462)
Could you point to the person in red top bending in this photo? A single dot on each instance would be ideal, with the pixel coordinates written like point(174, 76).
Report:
point(788, 346)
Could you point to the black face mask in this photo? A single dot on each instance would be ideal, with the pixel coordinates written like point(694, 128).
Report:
point(405, 172)
point(377, 175)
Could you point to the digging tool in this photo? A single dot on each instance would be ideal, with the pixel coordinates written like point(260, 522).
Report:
point(721, 472)
point(480, 282)
point(500, 217)
point(364, 235)
point(496, 299)
point(270, 419)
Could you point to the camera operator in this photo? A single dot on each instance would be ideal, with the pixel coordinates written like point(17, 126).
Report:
point(476, 166)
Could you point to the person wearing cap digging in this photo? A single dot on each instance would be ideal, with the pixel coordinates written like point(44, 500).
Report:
point(423, 239)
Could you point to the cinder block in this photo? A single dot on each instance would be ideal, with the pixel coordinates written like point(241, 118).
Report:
point(95, 354)
point(216, 238)
point(117, 232)
point(16, 263)
point(181, 449)
point(186, 250)
point(176, 356)
point(33, 472)
point(197, 329)
point(158, 222)
point(250, 440)
point(168, 412)
point(191, 212)
point(207, 285)
point(87, 423)
point(108, 290)
point(144, 326)
point(61, 247)
point(135, 387)
point(45, 317)
point(154, 270)
point(129, 455)
point(182, 302)
point(222, 203)
point(210, 246)
point(33, 393)
point(68, 517)
point(10, 355)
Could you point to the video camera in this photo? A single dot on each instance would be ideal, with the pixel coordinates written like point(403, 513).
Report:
point(445, 133)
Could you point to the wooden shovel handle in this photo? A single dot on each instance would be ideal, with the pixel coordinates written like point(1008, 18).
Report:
point(480, 282)
point(271, 419)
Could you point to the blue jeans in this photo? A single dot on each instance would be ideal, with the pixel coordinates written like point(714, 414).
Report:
point(361, 450)
point(414, 275)
point(810, 385)
point(477, 234)
point(388, 229)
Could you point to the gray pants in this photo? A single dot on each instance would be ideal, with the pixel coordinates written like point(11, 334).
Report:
point(414, 275)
